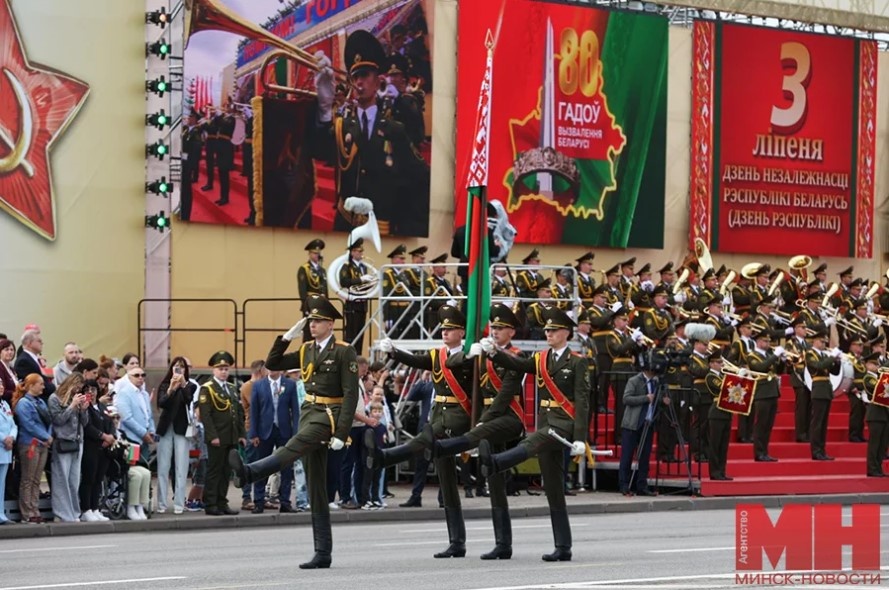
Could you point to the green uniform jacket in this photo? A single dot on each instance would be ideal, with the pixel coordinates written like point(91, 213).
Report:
point(765, 363)
point(331, 373)
point(571, 375)
point(310, 281)
point(221, 413)
point(621, 349)
point(820, 366)
point(450, 416)
point(714, 386)
point(874, 412)
point(800, 348)
point(656, 324)
point(526, 282)
point(585, 287)
point(512, 381)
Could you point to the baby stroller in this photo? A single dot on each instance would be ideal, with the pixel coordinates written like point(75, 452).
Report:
point(115, 486)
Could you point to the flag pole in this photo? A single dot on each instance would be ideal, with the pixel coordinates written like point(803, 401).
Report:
point(479, 312)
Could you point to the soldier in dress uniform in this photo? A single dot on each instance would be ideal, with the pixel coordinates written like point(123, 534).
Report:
point(720, 421)
point(600, 321)
point(760, 287)
point(355, 274)
point(710, 284)
point(820, 277)
point(677, 379)
point(589, 352)
point(192, 144)
point(715, 316)
point(330, 374)
point(438, 290)
point(311, 279)
point(585, 282)
point(210, 128)
point(627, 278)
point(223, 420)
point(612, 283)
point(740, 293)
point(821, 363)
point(564, 386)
point(451, 417)
point(737, 355)
point(640, 294)
point(527, 279)
point(535, 319)
point(668, 277)
point(846, 278)
point(622, 346)
point(764, 359)
point(764, 318)
point(563, 290)
point(858, 324)
point(501, 423)
point(811, 313)
point(796, 343)
point(699, 408)
point(657, 321)
point(416, 277)
point(225, 155)
point(877, 416)
point(395, 284)
point(247, 168)
point(500, 282)
point(856, 405)
point(406, 109)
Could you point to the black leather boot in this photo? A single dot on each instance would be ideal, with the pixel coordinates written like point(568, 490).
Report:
point(388, 457)
point(456, 534)
point(323, 543)
point(562, 536)
point(502, 535)
point(495, 463)
point(247, 474)
point(450, 446)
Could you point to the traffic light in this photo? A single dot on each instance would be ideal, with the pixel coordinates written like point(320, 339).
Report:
point(158, 17)
point(157, 149)
point(158, 120)
point(159, 187)
point(158, 86)
point(160, 222)
point(159, 48)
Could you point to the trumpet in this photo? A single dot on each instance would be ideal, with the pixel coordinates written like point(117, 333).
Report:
point(648, 342)
point(782, 317)
point(731, 368)
point(849, 326)
point(793, 357)
point(682, 313)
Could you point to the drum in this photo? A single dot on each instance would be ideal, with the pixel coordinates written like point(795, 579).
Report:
point(843, 381)
point(240, 133)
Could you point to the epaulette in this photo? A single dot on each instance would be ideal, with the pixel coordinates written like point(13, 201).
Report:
point(342, 343)
point(577, 354)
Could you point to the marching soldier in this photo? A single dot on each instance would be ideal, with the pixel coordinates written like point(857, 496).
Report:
point(856, 405)
point(622, 346)
point(765, 405)
point(311, 279)
point(500, 282)
point(737, 355)
point(355, 274)
point(627, 278)
point(223, 420)
point(563, 381)
point(535, 320)
point(821, 363)
point(438, 290)
point(796, 344)
point(585, 282)
point(395, 284)
point(330, 374)
point(656, 321)
point(563, 292)
point(719, 420)
point(501, 423)
point(451, 417)
point(877, 417)
point(527, 279)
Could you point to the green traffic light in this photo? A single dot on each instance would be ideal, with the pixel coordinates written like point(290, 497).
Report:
point(162, 222)
point(165, 48)
point(162, 86)
point(162, 120)
point(162, 187)
point(162, 149)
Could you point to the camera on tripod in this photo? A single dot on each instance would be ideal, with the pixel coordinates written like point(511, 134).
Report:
point(660, 360)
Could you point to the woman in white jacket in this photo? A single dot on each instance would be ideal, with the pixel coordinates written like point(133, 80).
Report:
point(8, 434)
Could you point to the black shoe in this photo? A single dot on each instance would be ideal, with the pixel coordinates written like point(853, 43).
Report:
point(412, 502)
point(240, 476)
point(720, 478)
point(646, 492)
point(857, 439)
point(803, 439)
point(498, 552)
point(286, 508)
point(452, 551)
point(468, 493)
point(876, 475)
point(229, 511)
point(317, 562)
point(557, 555)
point(207, 187)
point(822, 457)
point(570, 492)
point(259, 508)
point(482, 493)
point(766, 459)
point(456, 534)
point(213, 512)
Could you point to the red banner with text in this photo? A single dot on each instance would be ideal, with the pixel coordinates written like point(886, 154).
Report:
point(783, 136)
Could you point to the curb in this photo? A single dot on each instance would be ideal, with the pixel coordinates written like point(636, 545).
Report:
point(202, 522)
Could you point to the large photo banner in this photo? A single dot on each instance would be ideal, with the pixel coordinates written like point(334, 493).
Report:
point(783, 141)
point(271, 142)
point(578, 119)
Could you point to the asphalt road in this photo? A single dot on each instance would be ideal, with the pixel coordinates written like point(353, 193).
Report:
point(663, 550)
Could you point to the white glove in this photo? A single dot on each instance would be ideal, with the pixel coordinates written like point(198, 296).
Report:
point(487, 345)
point(877, 323)
point(368, 278)
point(788, 331)
point(451, 302)
point(680, 297)
point(475, 349)
point(836, 353)
point(578, 448)
point(726, 319)
point(734, 323)
point(779, 351)
point(631, 305)
point(864, 397)
point(295, 331)
point(647, 286)
point(615, 306)
point(727, 300)
point(336, 444)
point(636, 334)
point(386, 345)
point(743, 372)
point(830, 321)
point(325, 87)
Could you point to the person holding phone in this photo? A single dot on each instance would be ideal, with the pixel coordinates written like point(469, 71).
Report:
point(68, 408)
point(174, 395)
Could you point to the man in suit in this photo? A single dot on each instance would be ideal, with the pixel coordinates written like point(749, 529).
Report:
point(311, 279)
point(274, 417)
point(639, 410)
point(223, 420)
point(28, 361)
point(564, 408)
point(330, 374)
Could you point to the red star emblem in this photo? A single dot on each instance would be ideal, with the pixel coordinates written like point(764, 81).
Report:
point(36, 105)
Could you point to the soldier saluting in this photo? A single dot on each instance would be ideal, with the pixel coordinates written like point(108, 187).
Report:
point(330, 373)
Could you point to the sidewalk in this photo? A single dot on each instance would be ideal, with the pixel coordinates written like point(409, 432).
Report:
point(601, 502)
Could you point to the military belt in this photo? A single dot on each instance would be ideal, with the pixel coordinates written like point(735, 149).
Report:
point(700, 382)
point(627, 359)
point(820, 379)
point(549, 403)
point(489, 401)
point(601, 333)
point(320, 399)
point(446, 399)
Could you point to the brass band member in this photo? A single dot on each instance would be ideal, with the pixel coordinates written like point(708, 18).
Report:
point(720, 421)
point(657, 321)
point(812, 315)
point(877, 417)
point(353, 274)
point(737, 355)
point(760, 287)
point(600, 320)
point(698, 368)
point(677, 379)
point(856, 405)
point(612, 282)
point(534, 314)
point(311, 279)
point(563, 292)
point(564, 385)
point(622, 346)
point(416, 276)
point(627, 278)
point(765, 405)
point(723, 324)
point(395, 284)
point(438, 290)
point(500, 282)
point(796, 344)
point(820, 364)
point(667, 279)
point(527, 279)
point(641, 293)
point(585, 282)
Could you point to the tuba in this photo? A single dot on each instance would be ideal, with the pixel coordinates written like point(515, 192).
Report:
point(702, 253)
point(368, 231)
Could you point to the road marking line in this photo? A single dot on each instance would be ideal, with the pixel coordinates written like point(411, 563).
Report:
point(99, 583)
point(55, 548)
point(692, 550)
point(474, 528)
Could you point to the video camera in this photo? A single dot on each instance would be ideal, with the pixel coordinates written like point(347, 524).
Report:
point(659, 360)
